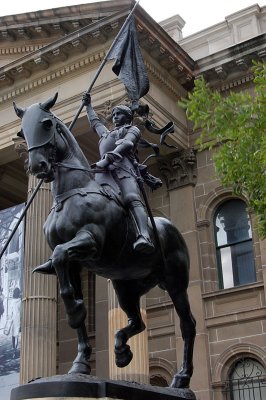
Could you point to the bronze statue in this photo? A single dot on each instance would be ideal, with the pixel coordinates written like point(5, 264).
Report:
point(89, 226)
point(117, 150)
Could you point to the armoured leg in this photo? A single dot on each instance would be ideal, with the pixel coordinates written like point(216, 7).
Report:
point(131, 196)
point(143, 243)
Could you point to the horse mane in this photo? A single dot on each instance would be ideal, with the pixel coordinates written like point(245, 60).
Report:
point(71, 142)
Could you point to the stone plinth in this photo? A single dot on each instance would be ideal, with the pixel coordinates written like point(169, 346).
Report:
point(78, 386)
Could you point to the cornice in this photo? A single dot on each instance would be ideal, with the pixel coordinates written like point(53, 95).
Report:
point(45, 23)
point(76, 65)
point(177, 90)
point(76, 42)
point(157, 33)
point(231, 67)
point(50, 73)
point(233, 83)
point(167, 52)
point(51, 76)
point(20, 49)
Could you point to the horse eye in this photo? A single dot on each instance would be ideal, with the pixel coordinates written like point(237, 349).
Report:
point(47, 123)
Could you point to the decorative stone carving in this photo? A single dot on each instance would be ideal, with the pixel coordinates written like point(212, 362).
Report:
point(6, 79)
point(42, 31)
point(242, 64)
point(20, 70)
point(179, 168)
point(23, 34)
point(6, 35)
point(41, 62)
point(221, 73)
point(60, 54)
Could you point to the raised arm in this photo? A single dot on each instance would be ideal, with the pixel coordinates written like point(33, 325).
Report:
point(93, 118)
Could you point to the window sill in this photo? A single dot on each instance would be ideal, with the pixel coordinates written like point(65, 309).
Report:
point(224, 292)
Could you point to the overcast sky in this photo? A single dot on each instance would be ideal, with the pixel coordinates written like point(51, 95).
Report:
point(198, 14)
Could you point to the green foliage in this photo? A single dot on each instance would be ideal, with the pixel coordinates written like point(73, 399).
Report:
point(234, 127)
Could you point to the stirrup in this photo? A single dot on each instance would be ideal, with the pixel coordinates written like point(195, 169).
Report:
point(143, 245)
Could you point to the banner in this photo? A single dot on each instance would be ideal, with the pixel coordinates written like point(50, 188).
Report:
point(129, 65)
point(11, 266)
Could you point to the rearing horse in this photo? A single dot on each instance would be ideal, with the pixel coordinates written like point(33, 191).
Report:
point(88, 227)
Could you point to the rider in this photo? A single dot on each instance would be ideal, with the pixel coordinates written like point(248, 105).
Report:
point(117, 150)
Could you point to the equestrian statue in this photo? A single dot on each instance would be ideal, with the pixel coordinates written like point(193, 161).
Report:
point(98, 221)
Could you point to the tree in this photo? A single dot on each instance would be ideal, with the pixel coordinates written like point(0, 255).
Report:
point(235, 128)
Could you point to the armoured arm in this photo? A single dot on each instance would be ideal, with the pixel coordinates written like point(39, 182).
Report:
point(124, 147)
point(93, 118)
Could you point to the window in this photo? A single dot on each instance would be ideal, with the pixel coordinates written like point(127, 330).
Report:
point(247, 381)
point(234, 251)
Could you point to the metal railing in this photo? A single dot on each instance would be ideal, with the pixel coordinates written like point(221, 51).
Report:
point(247, 388)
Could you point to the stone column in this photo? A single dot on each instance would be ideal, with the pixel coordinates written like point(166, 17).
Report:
point(39, 304)
point(179, 170)
point(101, 327)
point(138, 369)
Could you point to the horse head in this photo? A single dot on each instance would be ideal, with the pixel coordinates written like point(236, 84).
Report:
point(39, 127)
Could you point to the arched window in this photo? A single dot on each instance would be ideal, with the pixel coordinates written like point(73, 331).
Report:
point(247, 380)
point(234, 251)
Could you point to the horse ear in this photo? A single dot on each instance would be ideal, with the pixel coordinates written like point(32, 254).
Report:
point(18, 110)
point(49, 103)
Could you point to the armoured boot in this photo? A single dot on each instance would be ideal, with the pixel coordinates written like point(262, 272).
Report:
point(143, 244)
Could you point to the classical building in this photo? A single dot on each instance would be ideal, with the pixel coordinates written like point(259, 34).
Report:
point(59, 50)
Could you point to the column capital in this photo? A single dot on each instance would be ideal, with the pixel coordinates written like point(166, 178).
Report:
point(179, 168)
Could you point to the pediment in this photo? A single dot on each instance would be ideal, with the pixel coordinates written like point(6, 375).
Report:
point(22, 34)
point(89, 31)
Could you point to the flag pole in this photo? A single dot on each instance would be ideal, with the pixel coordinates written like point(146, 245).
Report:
point(103, 64)
point(72, 123)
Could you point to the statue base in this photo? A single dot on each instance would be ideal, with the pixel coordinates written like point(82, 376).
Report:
point(77, 386)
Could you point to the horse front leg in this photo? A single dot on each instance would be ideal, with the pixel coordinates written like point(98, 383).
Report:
point(128, 297)
point(81, 363)
point(81, 246)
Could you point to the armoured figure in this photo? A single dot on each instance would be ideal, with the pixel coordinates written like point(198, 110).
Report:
point(117, 150)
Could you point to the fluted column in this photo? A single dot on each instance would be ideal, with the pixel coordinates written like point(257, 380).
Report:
point(38, 336)
point(138, 369)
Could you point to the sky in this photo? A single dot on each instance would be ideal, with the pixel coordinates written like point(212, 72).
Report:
point(197, 14)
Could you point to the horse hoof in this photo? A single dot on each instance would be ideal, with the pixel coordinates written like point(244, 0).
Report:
point(80, 368)
point(180, 381)
point(46, 268)
point(124, 357)
point(77, 315)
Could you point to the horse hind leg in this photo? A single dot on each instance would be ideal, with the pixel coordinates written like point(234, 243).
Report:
point(188, 331)
point(176, 285)
point(128, 298)
point(81, 363)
